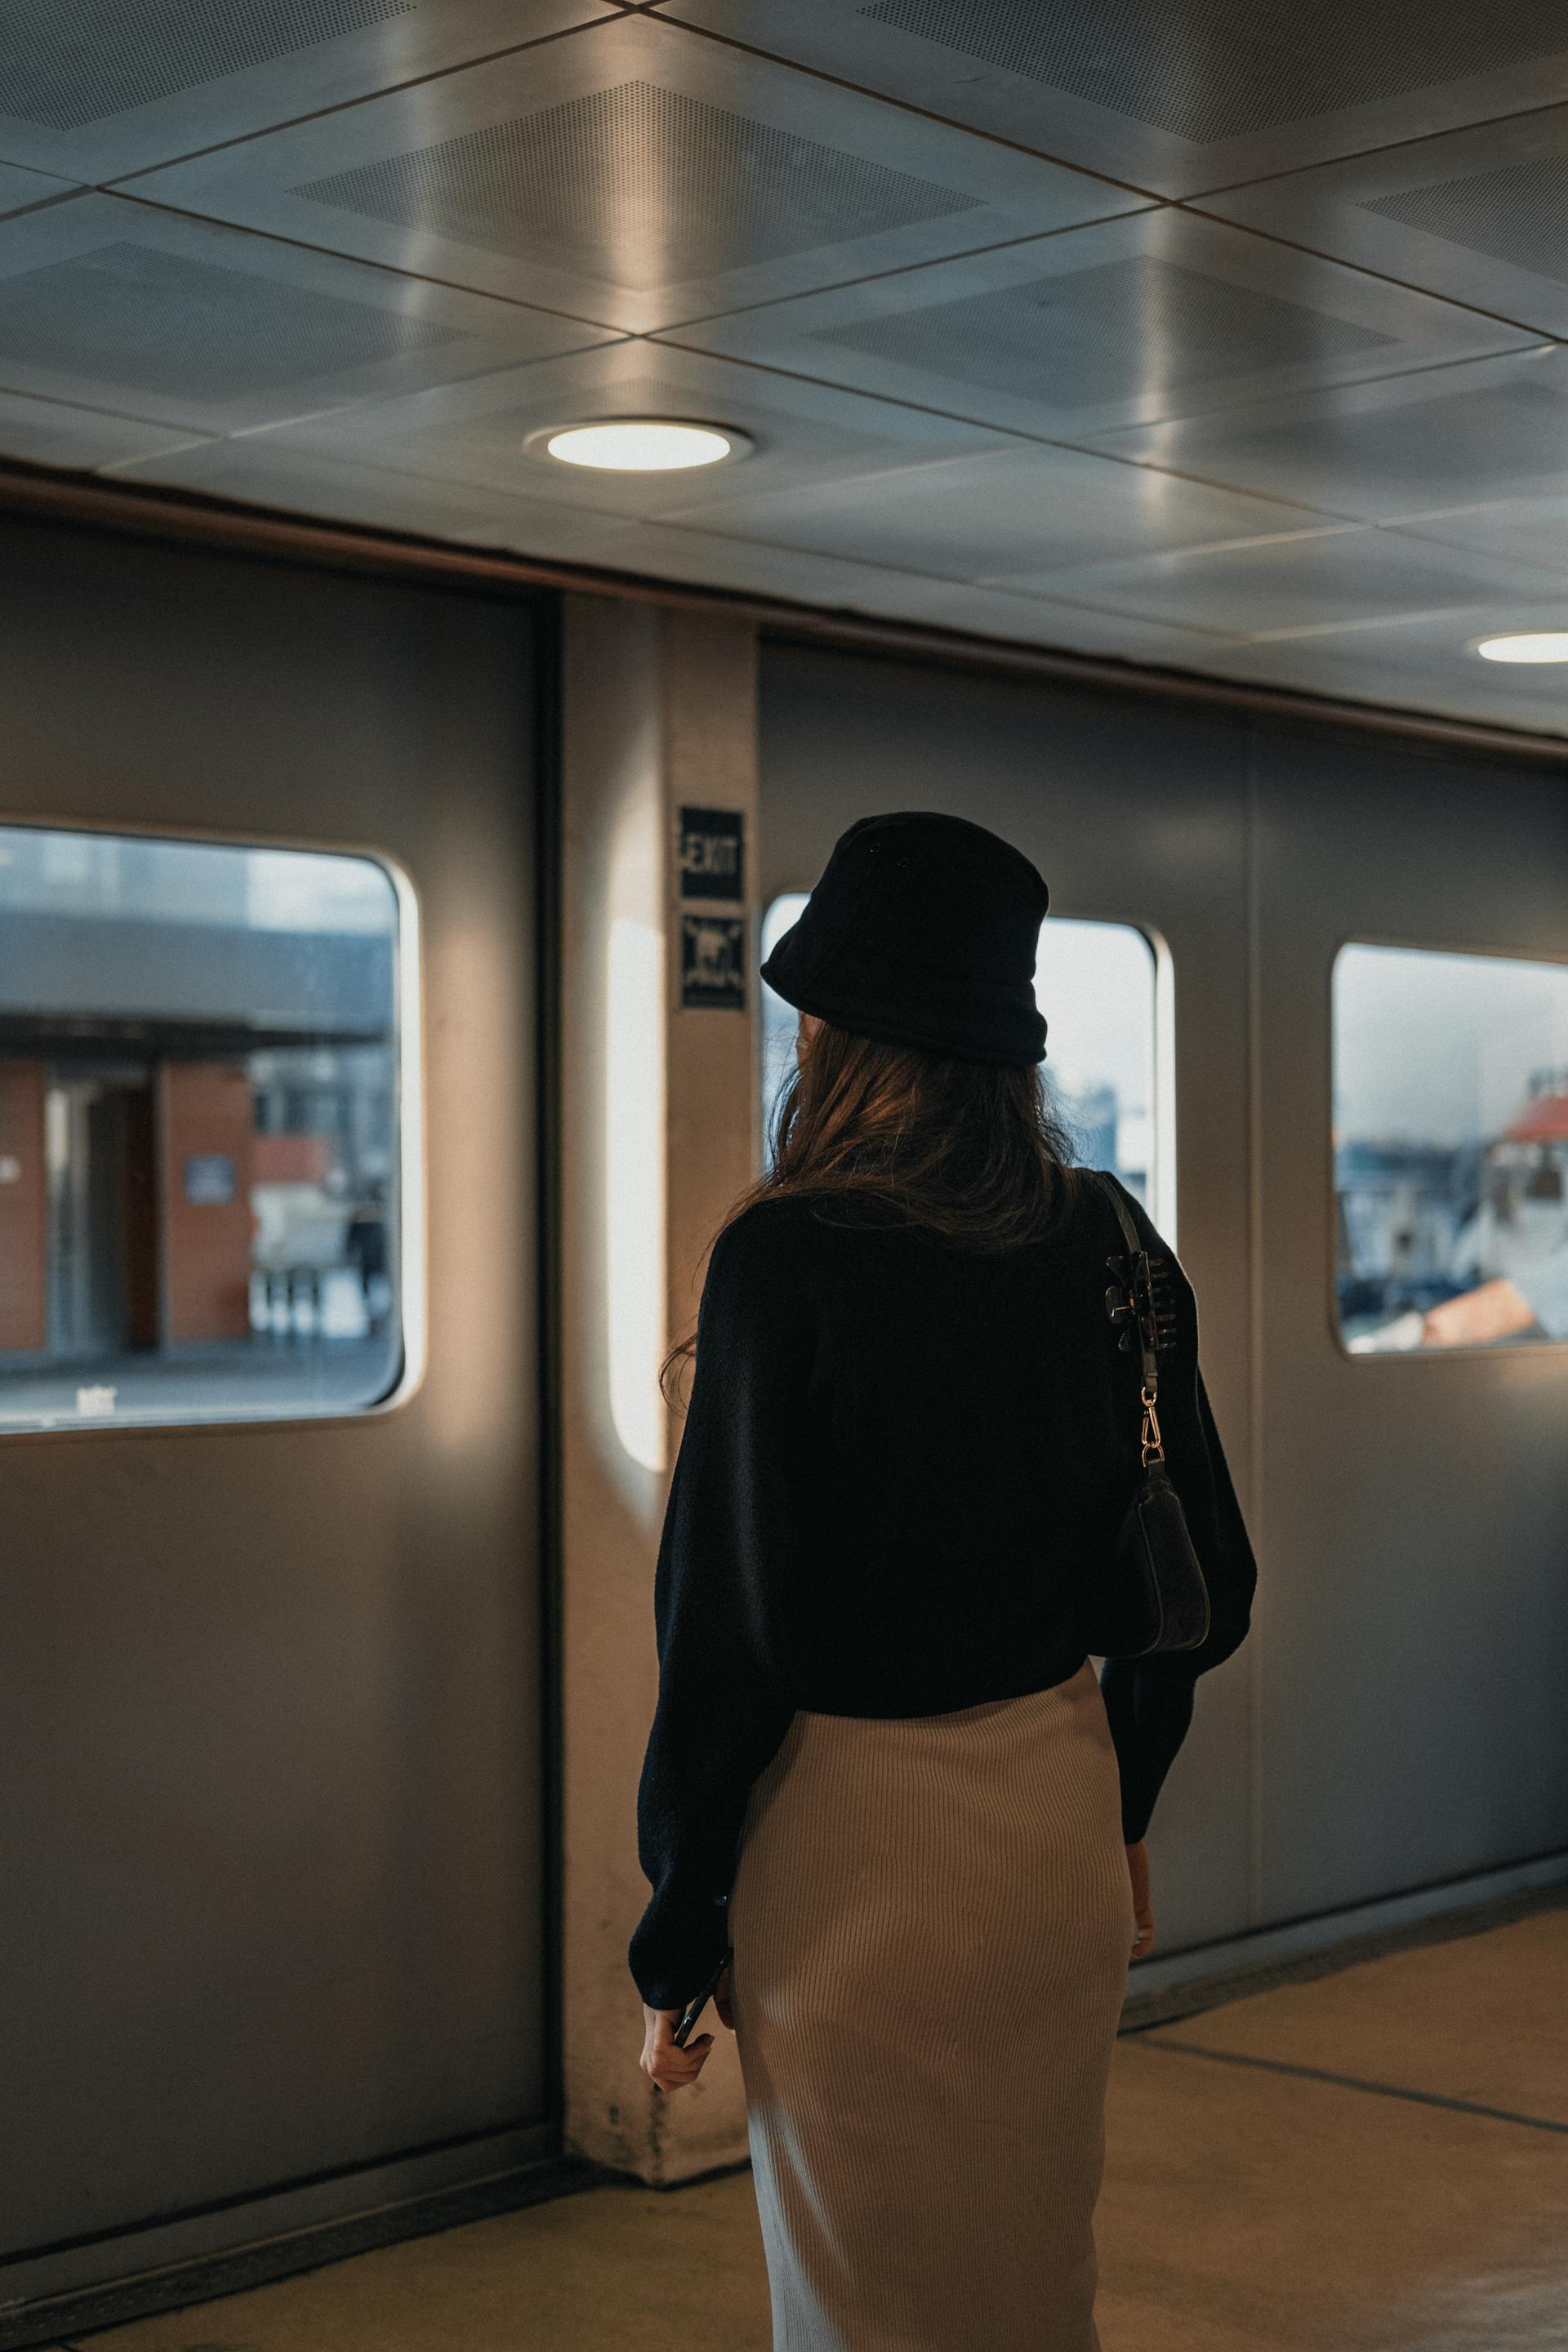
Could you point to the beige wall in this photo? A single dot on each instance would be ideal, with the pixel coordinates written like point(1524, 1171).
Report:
point(206, 1108)
point(658, 1136)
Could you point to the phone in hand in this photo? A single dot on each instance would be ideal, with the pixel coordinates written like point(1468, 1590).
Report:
point(694, 2008)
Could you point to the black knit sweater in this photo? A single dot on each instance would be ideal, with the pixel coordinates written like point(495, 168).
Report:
point(903, 1465)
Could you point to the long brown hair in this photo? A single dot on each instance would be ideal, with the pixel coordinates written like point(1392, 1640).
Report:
point(977, 1155)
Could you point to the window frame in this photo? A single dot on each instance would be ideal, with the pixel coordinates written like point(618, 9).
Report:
point(410, 1090)
point(1163, 1162)
point(1468, 1352)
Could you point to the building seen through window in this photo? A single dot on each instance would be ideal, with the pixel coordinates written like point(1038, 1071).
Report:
point(199, 1130)
point(1096, 984)
point(1450, 1148)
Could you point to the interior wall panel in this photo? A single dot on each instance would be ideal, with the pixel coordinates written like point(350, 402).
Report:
point(1389, 1724)
point(271, 1738)
point(1416, 1506)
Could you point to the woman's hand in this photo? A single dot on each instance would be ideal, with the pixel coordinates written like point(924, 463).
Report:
point(1143, 1910)
point(669, 2067)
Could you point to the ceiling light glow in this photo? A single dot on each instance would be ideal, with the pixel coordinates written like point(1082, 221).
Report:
point(644, 444)
point(1543, 645)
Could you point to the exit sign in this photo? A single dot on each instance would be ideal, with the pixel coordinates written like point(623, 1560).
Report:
point(713, 854)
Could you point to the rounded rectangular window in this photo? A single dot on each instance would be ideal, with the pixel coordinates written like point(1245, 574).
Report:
point(202, 1130)
point(1450, 1149)
point(1103, 991)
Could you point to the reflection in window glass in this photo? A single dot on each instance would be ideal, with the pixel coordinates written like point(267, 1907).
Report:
point(199, 1132)
point(1095, 983)
point(1450, 1148)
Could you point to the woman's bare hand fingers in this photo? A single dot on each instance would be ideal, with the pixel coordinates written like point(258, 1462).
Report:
point(664, 2062)
point(672, 2068)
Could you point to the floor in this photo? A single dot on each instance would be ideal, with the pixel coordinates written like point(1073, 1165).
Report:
point(1375, 2160)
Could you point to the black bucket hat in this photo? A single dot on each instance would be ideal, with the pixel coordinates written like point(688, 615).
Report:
point(922, 931)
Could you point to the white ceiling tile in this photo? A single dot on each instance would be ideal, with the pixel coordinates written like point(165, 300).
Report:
point(1480, 216)
point(635, 174)
point(57, 433)
point(94, 88)
point(266, 469)
point(1306, 580)
point(1174, 98)
point(1160, 315)
point(1025, 509)
point(486, 430)
point(1436, 437)
point(122, 306)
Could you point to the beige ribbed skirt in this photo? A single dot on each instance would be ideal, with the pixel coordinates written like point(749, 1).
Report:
point(931, 1923)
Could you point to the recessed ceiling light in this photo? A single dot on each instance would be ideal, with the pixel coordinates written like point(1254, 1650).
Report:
point(1544, 645)
point(644, 445)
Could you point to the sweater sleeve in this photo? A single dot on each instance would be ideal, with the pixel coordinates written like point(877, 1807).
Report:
point(733, 1549)
point(1148, 1701)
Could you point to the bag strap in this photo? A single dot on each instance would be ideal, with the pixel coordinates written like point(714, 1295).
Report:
point(1149, 1444)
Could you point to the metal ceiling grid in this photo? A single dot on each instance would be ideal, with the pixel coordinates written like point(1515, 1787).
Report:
point(1343, 576)
point(1162, 314)
point(1409, 445)
point(1480, 216)
point(977, 518)
point(808, 435)
point(95, 88)
point(1175, 95)
point(636, 176)
point(57, 433)
point(1244, 387)
point(180, 322)
point(19, 189)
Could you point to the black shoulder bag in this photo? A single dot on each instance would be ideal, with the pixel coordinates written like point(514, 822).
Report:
point(1155, 1597)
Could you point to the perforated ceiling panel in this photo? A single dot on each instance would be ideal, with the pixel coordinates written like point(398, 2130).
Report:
point(1098, 335)
point(157, 322)
point(1518, 215)
point(662, 186)
point(1212, 69)
point(79, 61)
point(633, 173)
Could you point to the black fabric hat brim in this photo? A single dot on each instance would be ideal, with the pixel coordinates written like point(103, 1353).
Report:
point(831, 981)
